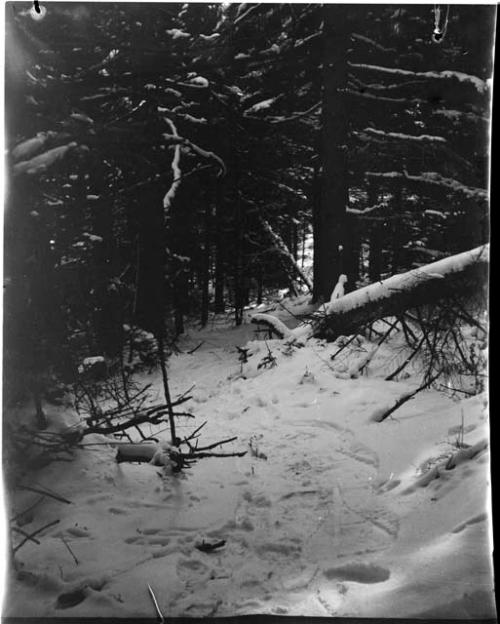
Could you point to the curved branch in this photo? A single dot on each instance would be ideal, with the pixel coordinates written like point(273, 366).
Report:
point(178, 140)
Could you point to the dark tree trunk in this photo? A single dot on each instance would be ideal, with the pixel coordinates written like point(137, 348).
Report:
point(353, 251)
point(303, 238)
point(205, 268)
point(219, 255)
point(295, 242)
point(316, 227)
point(332, 238)
point(108, 314)
point(376, 239)
point(151, 253)
point(41, 419)
point(260, 284)
point(397, 229)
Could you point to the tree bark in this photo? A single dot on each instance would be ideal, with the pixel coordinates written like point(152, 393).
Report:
point(397, 229)
point(205, 278)
point(376, 239)
point(219, 265)
point(332, 240)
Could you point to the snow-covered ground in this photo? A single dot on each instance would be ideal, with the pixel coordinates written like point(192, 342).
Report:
point(329, 513)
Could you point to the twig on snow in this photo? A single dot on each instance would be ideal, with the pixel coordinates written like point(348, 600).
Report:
point(32, 535)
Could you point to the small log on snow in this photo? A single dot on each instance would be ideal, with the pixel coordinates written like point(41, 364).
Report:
point(456, 275)
point(146, 452)
point(139, 452)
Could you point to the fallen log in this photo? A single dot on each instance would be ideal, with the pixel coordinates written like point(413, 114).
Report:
point(140, 452)
point(459, 275)
point(160, 455)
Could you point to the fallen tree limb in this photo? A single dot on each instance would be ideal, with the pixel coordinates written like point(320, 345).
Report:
point(400, 368)
point(29, 537)
point(426, 285)
point(460, 274)
point(145, 452)
point(273, 324)
point(381, 414)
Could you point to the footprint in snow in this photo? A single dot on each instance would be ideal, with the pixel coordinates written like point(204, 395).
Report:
point(474, 520)
point(192, 570)
point(259, 500)
point(74, 531)
point(287, 548)
point(154, 540)
point(117, 511)
point(358, 572)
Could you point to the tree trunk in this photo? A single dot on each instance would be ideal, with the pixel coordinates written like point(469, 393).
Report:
point(316, 228)
point(205, 268)
point(219, 265)
point(333, 244)
point(150, 295)
point(376, 238)
point(397, 229)
point(260, 284)
point(353, 252)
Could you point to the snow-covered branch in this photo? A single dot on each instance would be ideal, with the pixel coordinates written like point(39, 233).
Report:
point(400, 136)
point(43, 161)
point(30, 147)
point(309, 111)
point(371, 42)
point(176, 139)
point(244, 15)
point(283, 187)
point(282, 249)
point(480, 85)
point(273, 323)
point(176, 170)
point(435, 179)
point(382, 98)
point(386, 87)
point(366, 211)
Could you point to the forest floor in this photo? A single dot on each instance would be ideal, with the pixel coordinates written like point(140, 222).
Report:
point(329, 513)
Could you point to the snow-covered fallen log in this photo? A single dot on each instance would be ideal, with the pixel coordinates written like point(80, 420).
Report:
point(273, 324)
point(453, 276)
point(42, 162)
point(426, 285)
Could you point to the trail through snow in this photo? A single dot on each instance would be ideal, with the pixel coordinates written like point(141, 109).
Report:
point(329, 513)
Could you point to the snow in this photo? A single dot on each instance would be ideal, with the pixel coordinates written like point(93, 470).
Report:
point(338, 291)
point(278, 326)
point(263, 105)
point(332, 514)
point(199, 81)
point(436, 213)
point(30, 147)
point(176, 33)
point(211, 37)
